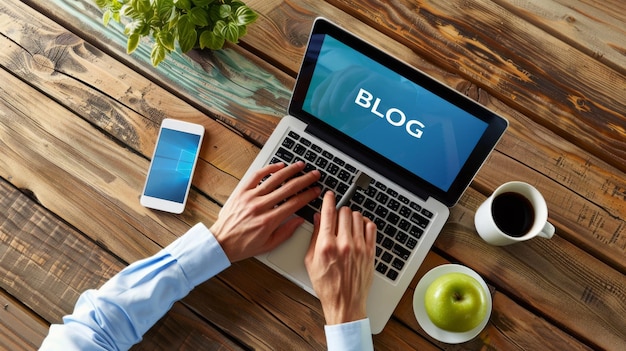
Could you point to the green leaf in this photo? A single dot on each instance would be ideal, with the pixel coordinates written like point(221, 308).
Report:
point(172, 22)
point(141, 6)
point(129, 11)
point(158, 54)
point(202, 3)
point(220, 28)
point(232, 32)
point(133, 42)
point(199, 17)
point(133, 27)
point(163, 9)
point(102, 3)
point(208, 40)
point(106, 17)
point(245, 15)
point(187, 35)
point(243, 30)
point(166, 39)
point(225, 11)
point(183, 4)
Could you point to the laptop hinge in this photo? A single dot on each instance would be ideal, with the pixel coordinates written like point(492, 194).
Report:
point(369, 158)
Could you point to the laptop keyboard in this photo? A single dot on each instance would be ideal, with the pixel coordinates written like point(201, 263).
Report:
point(400, 221)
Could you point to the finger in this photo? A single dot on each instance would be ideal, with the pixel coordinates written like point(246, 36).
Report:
point(294, 186)
point(278, 178)
point(370, 236)
point(294, 203)
point(328, 220)
point(344, 223)
point(254, 181)
point(358, 225)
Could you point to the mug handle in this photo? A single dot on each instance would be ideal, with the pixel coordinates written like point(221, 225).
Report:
point(547, 231)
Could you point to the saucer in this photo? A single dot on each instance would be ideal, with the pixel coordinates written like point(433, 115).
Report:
point(420, 310)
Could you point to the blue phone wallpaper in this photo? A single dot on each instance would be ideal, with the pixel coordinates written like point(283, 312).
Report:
point(390, 114)
point(171, 168)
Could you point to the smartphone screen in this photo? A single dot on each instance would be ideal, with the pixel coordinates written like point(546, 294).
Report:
point(172, 166)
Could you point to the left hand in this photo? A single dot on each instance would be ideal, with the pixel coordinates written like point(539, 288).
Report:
point(255, 221)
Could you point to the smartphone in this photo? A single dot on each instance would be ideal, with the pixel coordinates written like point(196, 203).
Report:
point(171, 169)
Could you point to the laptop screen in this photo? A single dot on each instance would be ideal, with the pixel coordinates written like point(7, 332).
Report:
point(418, 130)
point(428, 131)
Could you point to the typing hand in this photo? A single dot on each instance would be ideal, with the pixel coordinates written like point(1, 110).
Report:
point(255, 220)
point(340, 261)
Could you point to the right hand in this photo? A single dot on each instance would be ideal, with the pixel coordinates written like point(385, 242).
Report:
point(340, 261)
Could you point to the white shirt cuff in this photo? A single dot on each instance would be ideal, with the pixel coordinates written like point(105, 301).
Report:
point(355, 335)
point(199, 254)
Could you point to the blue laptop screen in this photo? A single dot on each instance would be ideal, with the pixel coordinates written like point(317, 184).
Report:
point(416, 129)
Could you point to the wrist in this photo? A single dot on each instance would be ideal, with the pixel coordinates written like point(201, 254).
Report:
point(339, 315)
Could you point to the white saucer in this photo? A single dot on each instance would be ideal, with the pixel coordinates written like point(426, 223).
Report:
point(420, 310)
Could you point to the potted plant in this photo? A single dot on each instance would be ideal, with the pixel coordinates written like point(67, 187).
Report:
point(190, 23)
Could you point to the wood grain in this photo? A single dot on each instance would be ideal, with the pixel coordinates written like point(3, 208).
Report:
point(85, 115)
point(519, 63)
point(552, 278)
point(181, 329)
point(50, 283)
point(511, 326)
point(20, 328)
point(118, 100)
point(526, 141)
point(209, 82)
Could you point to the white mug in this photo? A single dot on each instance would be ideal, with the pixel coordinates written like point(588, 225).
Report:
point(515, 212)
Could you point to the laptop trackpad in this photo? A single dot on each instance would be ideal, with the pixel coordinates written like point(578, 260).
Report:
point(288, 258)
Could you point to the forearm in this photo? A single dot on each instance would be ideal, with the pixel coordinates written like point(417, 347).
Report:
point(123, 309)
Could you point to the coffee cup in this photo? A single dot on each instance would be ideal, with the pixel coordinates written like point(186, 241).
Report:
point(515, 212)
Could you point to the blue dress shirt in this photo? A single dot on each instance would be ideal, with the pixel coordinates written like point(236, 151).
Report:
point(116, 316)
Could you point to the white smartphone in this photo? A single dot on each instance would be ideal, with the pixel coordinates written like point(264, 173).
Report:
point(171, 169)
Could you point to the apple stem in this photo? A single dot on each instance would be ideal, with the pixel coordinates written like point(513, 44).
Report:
point(458, 296)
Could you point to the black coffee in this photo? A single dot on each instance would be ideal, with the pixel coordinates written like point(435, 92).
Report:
point(513, 213)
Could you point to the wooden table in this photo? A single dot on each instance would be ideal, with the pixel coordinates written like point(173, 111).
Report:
point(79, 118)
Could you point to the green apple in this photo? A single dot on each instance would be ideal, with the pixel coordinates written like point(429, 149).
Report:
point(456, 302)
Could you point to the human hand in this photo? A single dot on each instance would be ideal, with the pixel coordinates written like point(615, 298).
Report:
point(255, 219)
point(340, 261)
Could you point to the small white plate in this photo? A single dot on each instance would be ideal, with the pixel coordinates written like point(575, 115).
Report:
point(420, 310)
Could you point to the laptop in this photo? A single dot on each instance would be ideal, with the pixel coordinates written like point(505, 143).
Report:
point(355, 110)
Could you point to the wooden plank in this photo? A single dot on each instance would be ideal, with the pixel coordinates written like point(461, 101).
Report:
point(209, 80)
point(517, 63)
point(20, 328)
point(591, 29)
point(552, 278)
point(298, 311)
point(69, 156)
point(533, 145)
point(511, 326)
point(116, 99)
point(181, 329)
point(46, 264)
point(42, 260)
point(595, 171)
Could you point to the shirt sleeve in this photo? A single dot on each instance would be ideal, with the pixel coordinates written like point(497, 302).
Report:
point(350, 336)
point(116, 316)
